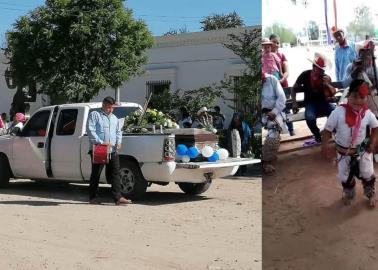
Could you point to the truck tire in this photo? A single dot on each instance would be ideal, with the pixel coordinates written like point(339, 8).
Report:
point(5, 174)
point(133, 184)
point(194, 189)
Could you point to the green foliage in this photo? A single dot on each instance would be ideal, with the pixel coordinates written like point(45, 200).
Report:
point(248, 87)
point(175, 32)
point(255, 149)
point(286, 34)
point(221, 21)
point(170, 102)
point(74, 49)
point(313, 30)
point(362, 24)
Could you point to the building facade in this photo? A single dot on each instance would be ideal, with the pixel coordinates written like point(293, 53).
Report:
point(187, 61)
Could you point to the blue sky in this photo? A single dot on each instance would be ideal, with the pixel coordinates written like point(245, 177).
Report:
point(159, 15)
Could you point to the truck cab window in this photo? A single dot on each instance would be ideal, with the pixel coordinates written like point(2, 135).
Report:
point(67, 122)
point(37, 125)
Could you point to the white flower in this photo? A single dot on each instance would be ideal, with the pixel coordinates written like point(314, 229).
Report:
point(169, 123)
point(160, 113)
point(214, 130)
point(176, 126)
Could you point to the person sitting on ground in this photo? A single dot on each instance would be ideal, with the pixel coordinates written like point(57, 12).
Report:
point(203, 119)
point(18, 124)
point(273, 102)
point(318, 94)
point(354, 153)
point(269, 60)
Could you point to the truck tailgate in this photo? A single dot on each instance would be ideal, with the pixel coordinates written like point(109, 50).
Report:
point(230, 162)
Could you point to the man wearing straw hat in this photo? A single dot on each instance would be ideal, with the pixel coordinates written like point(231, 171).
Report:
point(345, 53)
point(364, 68)
point(318, 92)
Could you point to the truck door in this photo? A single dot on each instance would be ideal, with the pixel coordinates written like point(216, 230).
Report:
point(65, 144)
point(30, 149)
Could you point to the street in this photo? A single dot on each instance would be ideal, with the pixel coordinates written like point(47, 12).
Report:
point(49, 225)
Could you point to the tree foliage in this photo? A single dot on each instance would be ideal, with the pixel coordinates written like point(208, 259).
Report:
point(194, 99)
point(286, 34)
point(221, 21)
point(175, 32)
point(313, 30)
point(362, 23)
point(75, 48)
point(248, 87)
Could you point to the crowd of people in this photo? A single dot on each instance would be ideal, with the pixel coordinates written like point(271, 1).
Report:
point(353, 124)
point(216, 119)
point(11, 127)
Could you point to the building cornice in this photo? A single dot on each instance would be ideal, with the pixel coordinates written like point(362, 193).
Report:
point(199, 38)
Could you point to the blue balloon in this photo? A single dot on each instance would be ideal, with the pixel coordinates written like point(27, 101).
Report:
point(193, 152)
point(181, 149)
point(214, 157)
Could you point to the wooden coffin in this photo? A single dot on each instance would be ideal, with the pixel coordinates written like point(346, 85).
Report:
point(195, 137)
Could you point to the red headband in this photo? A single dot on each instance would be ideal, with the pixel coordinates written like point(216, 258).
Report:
point(363, 90)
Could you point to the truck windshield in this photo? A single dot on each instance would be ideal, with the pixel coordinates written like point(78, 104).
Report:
point(120, 112)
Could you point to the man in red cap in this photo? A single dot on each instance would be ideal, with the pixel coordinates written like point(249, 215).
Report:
point(354, 152)
point(345, 53)
point(318, 92)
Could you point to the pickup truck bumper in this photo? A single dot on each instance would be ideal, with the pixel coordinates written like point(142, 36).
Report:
point(193, 172)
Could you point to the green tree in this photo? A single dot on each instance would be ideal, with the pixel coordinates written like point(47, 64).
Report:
point(313, 30)
point(170, 102)
point(362, 24)
point(75, 48)
point(221, 21)
point(286, 34)
point(247, 46)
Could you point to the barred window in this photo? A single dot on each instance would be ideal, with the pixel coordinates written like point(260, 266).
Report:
point(157, 87)
point(238, 104)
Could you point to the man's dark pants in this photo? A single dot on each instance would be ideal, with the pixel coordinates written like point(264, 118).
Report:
point(112, 170)
point(315, 110)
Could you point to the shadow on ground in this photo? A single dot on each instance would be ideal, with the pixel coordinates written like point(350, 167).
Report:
point(62, 193)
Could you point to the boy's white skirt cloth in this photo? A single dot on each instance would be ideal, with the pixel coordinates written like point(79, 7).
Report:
point(365, 165)
point(273, 138)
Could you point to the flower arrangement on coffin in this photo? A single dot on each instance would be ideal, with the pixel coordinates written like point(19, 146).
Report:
point(139, 123)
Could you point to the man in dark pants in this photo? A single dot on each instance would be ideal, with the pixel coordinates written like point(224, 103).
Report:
point(318, 94)
point(103, 128)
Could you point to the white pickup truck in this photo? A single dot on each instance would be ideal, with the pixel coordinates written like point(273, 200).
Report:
point(54, 145)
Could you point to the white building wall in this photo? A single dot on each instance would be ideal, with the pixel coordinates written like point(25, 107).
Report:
point(189, 61)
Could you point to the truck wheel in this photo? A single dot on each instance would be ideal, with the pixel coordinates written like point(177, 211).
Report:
point(194, 189)
point(133, 184)
point(5, 174)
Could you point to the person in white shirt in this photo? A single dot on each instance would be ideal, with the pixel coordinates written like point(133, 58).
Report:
point(354, 149)
point(273, 102)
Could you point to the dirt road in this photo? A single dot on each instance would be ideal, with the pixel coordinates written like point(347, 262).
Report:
point(305, 224)
point(50, 226)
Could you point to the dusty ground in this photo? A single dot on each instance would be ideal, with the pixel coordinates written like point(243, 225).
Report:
point(50, 226)
point(305, 224)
